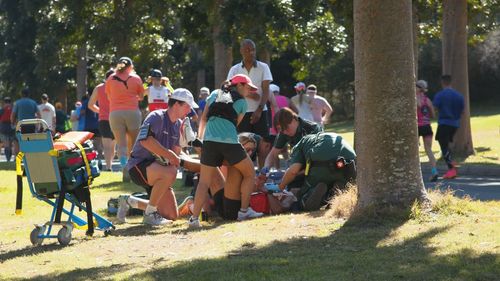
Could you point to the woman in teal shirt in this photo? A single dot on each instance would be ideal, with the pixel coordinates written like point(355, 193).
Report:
point(225, 109)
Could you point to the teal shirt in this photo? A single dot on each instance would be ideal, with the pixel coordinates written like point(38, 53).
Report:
point(220, 129)
point(321, 147)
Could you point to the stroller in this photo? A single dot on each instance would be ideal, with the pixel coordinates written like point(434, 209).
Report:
point(55, 176)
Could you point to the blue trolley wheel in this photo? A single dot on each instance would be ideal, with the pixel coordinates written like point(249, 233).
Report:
point(64, 236)
point(35, 240)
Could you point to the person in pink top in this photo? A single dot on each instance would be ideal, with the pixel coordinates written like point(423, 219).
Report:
point(425, 111)
point(124, 90)
point(320, 108)
point(281, 101)
point(102, 108)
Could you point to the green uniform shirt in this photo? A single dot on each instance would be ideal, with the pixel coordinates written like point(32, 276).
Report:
point(321, 147)
point(304, 128)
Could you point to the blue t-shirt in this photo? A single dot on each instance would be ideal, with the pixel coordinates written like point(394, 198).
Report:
point(25, 108)
point(219, 129)
point(201, 105)
point(166, 132)
point(450, 105)
point(91, 118)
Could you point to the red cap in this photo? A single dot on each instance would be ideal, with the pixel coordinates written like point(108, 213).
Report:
point(242, 78)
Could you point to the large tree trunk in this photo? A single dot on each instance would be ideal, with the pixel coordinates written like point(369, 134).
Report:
point(454, 38)
point(223, 54)
point(81, 71)
point(123, 11)
point(385, 113)
point(415, 36)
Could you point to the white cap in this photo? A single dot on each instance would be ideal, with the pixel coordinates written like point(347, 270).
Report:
point(185, 96)
point(274, 88)
point(204, 90)
point(422, 84)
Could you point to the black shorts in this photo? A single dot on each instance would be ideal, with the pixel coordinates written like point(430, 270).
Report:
point(260, 128)
point(425, 131)
point(105, 129)
point(445, 133)
point(139, 176)
point(214, 153)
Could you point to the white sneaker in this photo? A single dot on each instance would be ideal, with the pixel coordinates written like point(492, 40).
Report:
point(249, 214)
point(155, 219)
point(194, 222)
point(123, 207)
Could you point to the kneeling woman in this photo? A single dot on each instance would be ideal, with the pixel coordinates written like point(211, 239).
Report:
point(226, 109)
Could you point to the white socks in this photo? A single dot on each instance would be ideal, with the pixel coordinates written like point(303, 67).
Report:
point(133, 202)
point(150, 209)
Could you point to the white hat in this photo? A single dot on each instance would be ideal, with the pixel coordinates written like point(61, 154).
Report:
point(274, 88)
point(204, 90)
point(422, 84)
point(185, 96)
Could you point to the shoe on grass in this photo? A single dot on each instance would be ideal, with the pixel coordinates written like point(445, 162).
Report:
point(433, 178)
point(249, 214)
point(155, 219)
point(123, 207)
point(194, 222)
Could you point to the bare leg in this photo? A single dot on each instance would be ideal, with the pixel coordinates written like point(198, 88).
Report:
point(162, 178)
point(246, 169)
point(109, 151)
point(206, 175)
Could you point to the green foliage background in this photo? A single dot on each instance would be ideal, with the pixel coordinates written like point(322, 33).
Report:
point(309, 41)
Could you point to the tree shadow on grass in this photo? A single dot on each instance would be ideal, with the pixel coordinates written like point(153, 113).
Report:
point(93, 273)
point(353, 252)
point(31, 251)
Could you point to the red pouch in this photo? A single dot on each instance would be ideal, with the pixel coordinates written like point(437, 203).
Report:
point(259, 202)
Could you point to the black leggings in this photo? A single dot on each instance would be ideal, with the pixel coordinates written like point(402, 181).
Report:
point(444, 136)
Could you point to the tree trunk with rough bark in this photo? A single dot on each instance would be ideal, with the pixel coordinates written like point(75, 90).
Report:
point(385, 113)
point(415, 36)
point(223, 54)
point(454, 38)
point(81, 71)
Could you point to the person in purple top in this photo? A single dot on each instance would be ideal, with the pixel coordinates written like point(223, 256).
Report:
point(450, 105)
point(154, 161)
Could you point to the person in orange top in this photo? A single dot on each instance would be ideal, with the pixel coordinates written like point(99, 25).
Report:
point(124, 90)
point(99, 103)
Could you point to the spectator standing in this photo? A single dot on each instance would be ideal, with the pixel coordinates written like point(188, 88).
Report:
point(425, 112)
point(61, 119)
point(48, 112)
point(7, 136)
point(303, 102)
point(255, 119)
point(450, 105)
point(320, 108)
point(202, 100)
point(124, 90)
point(74, 116)
point(157, 93)
point(25, 108)
point(102, 109)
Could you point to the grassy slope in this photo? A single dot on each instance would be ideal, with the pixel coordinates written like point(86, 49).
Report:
point(312, 246)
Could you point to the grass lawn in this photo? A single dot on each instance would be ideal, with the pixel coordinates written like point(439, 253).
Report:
point(485, 124)
point(459, 241)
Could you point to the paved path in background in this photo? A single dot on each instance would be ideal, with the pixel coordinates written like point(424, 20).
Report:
point(477, 187)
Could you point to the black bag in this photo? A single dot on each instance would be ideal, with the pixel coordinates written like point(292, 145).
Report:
point(223, 106)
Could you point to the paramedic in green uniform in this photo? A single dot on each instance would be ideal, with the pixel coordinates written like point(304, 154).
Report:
point(327, 161)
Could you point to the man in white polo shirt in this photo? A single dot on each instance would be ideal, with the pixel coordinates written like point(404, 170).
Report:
point(255, 120)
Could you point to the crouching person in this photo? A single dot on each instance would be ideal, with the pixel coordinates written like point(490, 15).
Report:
point(154, 161)
point(323, 162)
